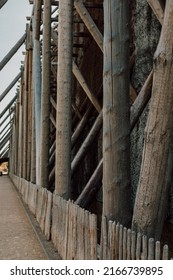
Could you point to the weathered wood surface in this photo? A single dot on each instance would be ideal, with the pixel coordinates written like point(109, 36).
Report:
point(37, 83)
point(45, 99)
point(12, 51)
point(120, 243)
point(90, 24)
point(157, 160)
point(158, 9)
point(64, 97)
point(11, 85)
point(87, 142)
point(116, 113)
point(2, 3)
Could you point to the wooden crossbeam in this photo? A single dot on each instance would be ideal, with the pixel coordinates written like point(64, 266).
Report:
point(85, 87)
point(8, 106)
point(10, 86)
point(90, 24)
point(158, 9)
point(8, 116)
point(12, 51)
point(79, 77)
point(2, 3)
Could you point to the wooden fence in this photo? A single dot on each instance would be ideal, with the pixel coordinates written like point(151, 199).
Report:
point(73, 230)
point(120, 243)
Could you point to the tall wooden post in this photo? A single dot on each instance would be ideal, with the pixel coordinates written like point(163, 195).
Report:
point(157, 160)
point(64, 89)
point(37, 83)
point(116, 117)
point(45, 99)
point(25, 116)
point(20, 143)
point(29, 112)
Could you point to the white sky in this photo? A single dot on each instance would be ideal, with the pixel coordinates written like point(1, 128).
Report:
point(12, 27)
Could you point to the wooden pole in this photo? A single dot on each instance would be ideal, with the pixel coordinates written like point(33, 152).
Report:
point(12, 51)
point(90, 24)
point(8, 106)
point(87, 143)
point(45, 99)
point(20, 146)
point(157, 159)
point(116, 113)
point(7, 116)
point(2, 3)
point(10, 86)
point(158, 9)
point(25, 116)
point(37, 18)
point(64, 91)
point(29, 112)
point(37, 83)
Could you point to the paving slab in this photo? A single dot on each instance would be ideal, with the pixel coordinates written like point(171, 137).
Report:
point(18, 240)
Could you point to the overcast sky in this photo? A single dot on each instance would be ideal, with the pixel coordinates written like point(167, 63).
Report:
point(12, 26)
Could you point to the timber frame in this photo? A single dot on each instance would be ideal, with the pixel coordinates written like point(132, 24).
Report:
point(57, 130)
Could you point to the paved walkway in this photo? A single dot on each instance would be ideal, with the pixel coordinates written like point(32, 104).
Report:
point(18, 240)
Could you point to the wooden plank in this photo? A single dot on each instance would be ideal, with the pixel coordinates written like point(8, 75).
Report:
point(157, 250)
point(138, 246)
point(144, 255)
point(117, 241)
point(133, 245)
point(104, 239)
point(48, 216)
point(32, 198)
point(165, 253)
point(93, 235)
point(120, 251)
point(151, 249)
point(66, 232)
point(124, 243)
point(87, 237)
point(129, 244)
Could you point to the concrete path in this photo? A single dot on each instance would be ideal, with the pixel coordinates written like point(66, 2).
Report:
point(18, 240)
